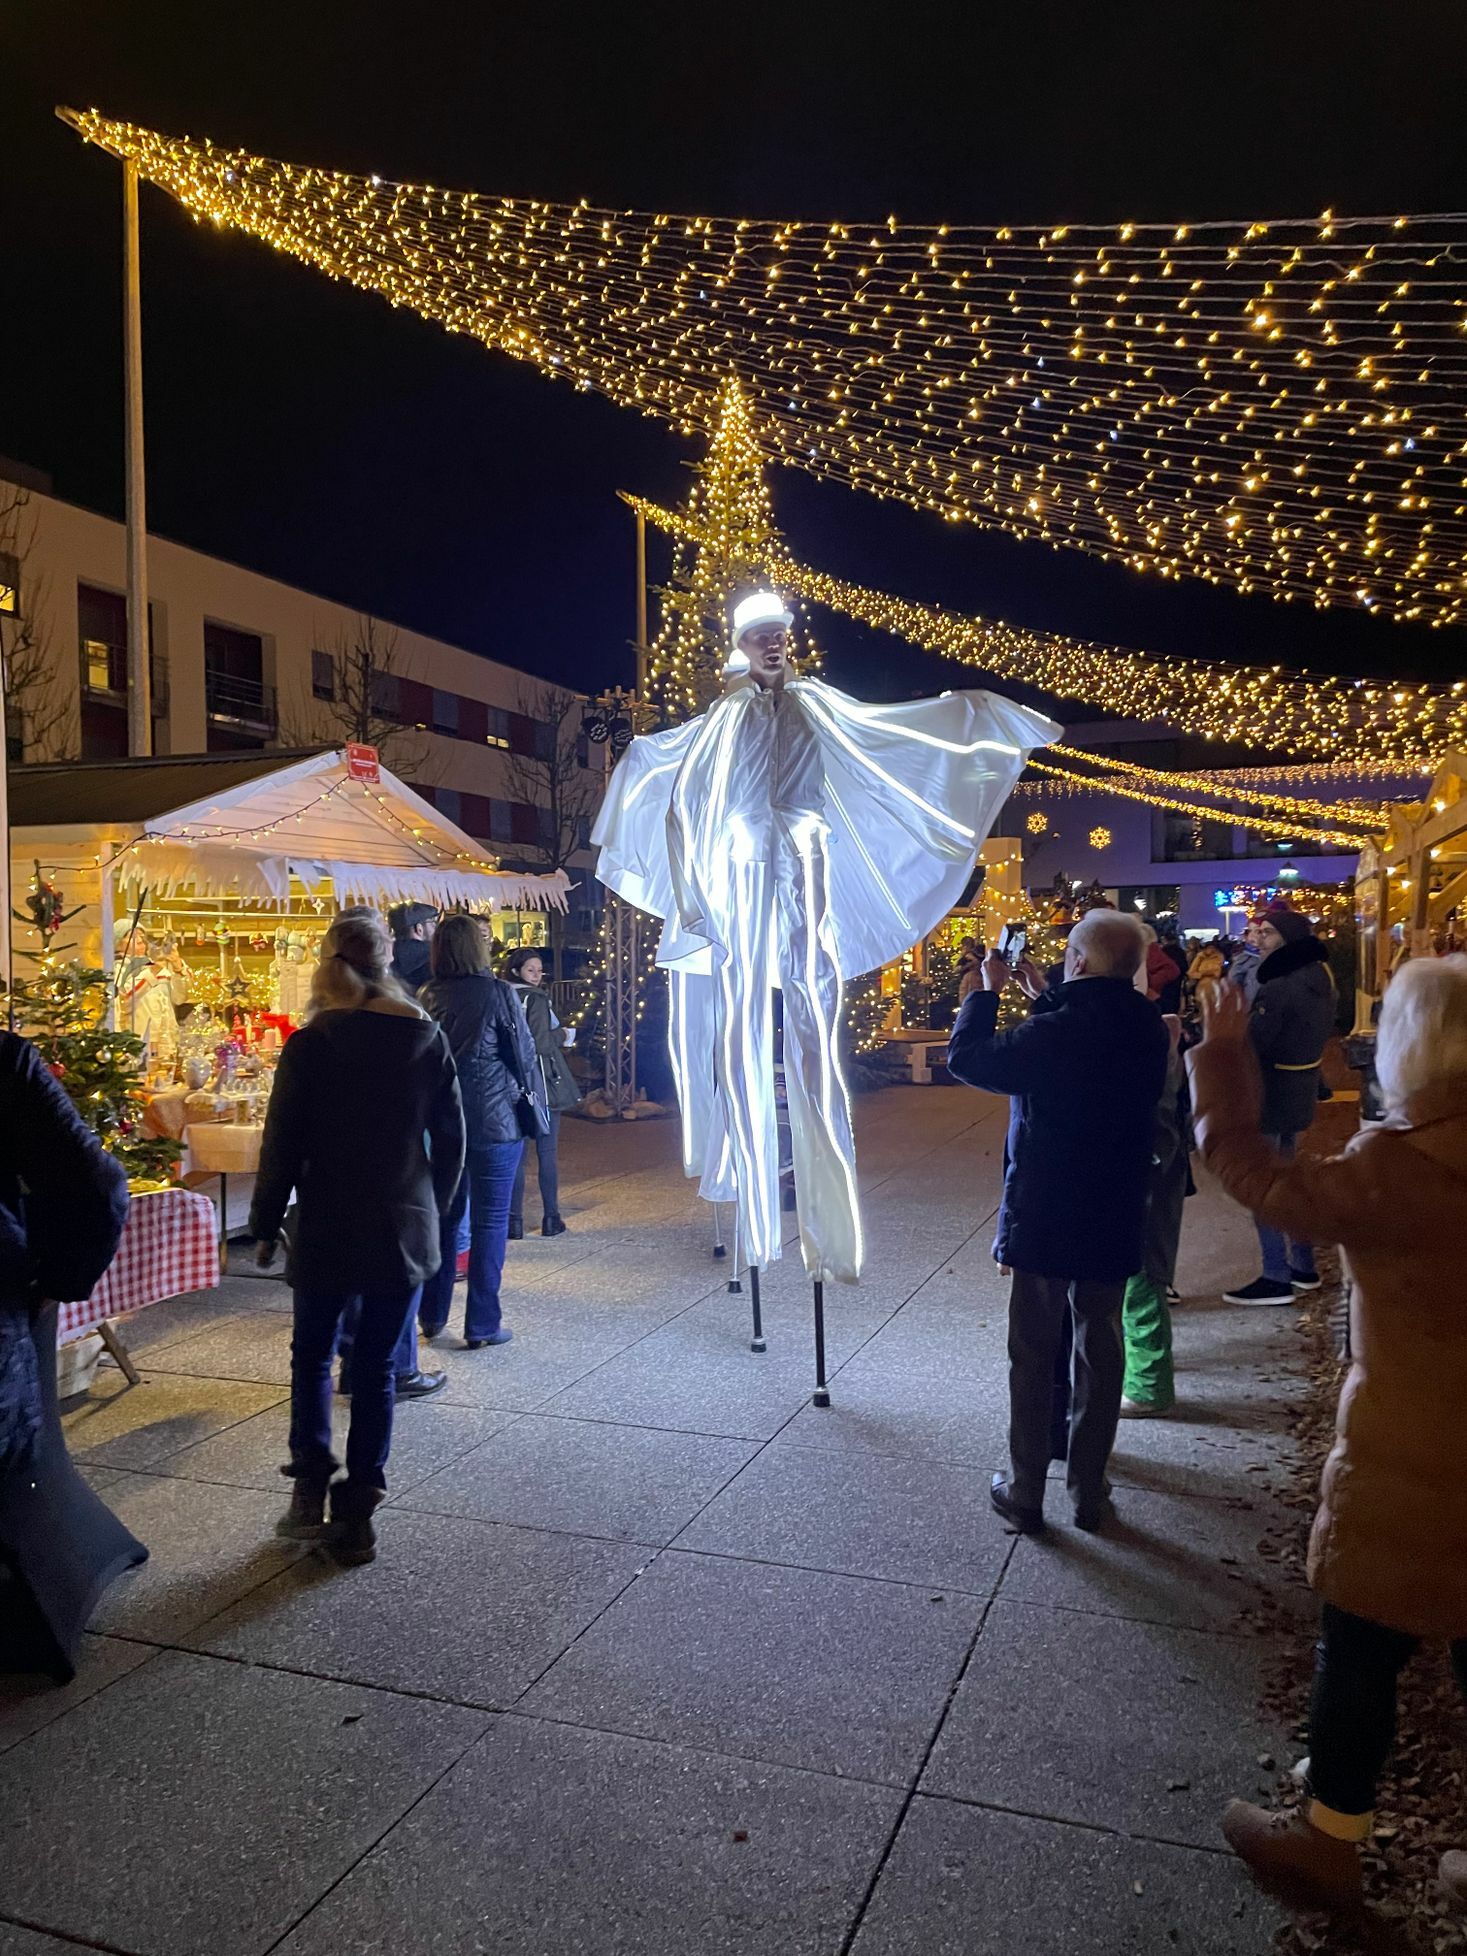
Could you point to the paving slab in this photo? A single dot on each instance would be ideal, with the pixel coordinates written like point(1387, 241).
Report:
point(453, 1609)
point(1137, 1727)
point(786, 1665)
point(198, 1805)
point(254, 1347)
point(627, 1483)
point(522, 1376)
point(426, 1435)
point(29, 1701)
point(689, 1379)
point(964, 1882)
point(548, 1839)
point(904, 1520)
point(172, 1318)
point(1163, 1559)
point(958, 1413)
point(207, 1547)
point(16, 1941)
point(118, 1425)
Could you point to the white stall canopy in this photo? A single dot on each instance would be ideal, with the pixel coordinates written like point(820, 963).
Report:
point(245, 825)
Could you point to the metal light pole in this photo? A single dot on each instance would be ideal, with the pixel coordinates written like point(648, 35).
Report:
point(139, 664)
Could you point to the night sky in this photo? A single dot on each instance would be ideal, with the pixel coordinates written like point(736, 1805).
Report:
point(306, 430)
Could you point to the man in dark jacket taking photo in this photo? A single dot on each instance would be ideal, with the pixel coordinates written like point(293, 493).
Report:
point(1085, 1072)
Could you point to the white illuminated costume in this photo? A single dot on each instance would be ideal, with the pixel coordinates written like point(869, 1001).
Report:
point(796, 838)
point(149, 994)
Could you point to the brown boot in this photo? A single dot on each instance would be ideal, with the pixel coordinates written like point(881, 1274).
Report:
point(351, 1538)
point(305, 1519)
point(1294, 1861)
point(1452, 1874)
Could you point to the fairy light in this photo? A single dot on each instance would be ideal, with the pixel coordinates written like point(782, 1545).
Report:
point(1036, 821)
point(1295, 712)
point(1231, 791)
point(1275, 406)
point(1100, 837)
point(1235, 817)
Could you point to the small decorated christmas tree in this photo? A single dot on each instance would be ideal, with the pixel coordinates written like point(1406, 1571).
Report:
point(62, 1010)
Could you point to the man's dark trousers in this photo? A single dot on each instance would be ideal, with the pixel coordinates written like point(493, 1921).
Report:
point(1038, 1310)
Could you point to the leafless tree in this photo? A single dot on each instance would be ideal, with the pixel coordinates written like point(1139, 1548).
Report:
point(553, 779)
point(364, 661)
point(40, 712)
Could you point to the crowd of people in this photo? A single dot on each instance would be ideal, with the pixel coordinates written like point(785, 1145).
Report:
point(1094, 1184)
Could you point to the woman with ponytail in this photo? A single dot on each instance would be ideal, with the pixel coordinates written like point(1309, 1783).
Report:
point(366, 1126)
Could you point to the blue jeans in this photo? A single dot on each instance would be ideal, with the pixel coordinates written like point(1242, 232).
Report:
point(1282, 1255)
point(404, 1354)
point(549, 1167)
point(485, 1190)
point(382, 1319)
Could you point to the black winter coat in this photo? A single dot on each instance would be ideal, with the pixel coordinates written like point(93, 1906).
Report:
point(491, 1044)
point(1085, 1072)
point(63, 1202)
point(366, 1125)
point(558, 1081)
point(1293, 1016)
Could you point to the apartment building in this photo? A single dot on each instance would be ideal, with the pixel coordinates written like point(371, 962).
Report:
point(242, 661)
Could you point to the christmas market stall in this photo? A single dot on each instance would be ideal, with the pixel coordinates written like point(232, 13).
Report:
point(1411, 886)
point(197, 890)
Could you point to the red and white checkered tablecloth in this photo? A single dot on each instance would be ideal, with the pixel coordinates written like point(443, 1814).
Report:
point(170, 1245)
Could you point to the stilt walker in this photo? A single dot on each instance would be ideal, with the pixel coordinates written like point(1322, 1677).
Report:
point(791, 837)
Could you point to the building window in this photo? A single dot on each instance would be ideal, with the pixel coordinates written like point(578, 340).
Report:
point(238, 702)
point(385, 694)
point(498, 734)
point(9, 584)
point(445, 712)
point(323, 676)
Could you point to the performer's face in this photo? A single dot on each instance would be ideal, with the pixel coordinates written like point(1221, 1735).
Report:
point(767, 649)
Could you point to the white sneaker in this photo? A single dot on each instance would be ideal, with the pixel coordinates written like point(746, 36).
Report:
point(1138, 1409)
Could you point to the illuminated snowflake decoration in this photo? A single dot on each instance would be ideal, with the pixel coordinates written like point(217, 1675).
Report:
point(1100, 838)
point(1037, 822)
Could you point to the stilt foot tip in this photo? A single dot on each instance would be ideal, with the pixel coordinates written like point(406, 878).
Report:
point(720, 1249)
point(820, 1397)
point(734, 1285)
point(757, 1345)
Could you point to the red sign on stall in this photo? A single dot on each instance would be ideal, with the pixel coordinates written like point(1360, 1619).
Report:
point(361, 762)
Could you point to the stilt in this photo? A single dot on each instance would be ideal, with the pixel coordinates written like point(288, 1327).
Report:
point(822, 1394)
point(733, 1280)
point(756, 1343)
point(720, 1248)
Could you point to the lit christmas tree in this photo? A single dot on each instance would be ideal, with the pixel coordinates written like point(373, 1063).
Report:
point(62, 1010)
point(733, 547)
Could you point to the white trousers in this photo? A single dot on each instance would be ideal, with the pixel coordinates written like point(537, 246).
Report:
point(722, 1031)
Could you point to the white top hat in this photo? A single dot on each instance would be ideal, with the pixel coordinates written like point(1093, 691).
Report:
point(759, 608)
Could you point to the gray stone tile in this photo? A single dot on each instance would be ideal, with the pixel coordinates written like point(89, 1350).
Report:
point(965, 1882)
point(786, 1665)
point(915, 1521)
point(172, 1318)
point(205, 1806)
point(27, 1702)
point(547, 1839)
point(426, 1435)
point(254, 1348)
point(118, 1425)
point(683, 1378)
point(207, 1547)
point(879, 1404)
point(628, 1483)
point(1164, 1559)
point(15, 1941)
point(1139, 1727)
point(453, 1609)
point(1201, 1449)
point(522, 1376)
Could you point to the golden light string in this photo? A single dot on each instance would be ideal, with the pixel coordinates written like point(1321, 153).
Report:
point(1234, 818)
point(1210, 784)
point(1274, 406)
point(1294, 712)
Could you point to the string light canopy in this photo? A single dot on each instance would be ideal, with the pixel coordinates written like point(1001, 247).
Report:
point(1131, 788)
point(1274, 406)
point(1265, 706)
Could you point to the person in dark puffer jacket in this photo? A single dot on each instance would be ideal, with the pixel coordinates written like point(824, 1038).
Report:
point(491, 1044)
point(1292, 1018)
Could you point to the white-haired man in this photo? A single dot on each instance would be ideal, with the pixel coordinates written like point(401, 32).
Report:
point(793, 838)
point(1085, 1073)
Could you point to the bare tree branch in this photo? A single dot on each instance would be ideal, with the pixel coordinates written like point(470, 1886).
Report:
point(41, 716)
point(364, 662)
point(554, 780)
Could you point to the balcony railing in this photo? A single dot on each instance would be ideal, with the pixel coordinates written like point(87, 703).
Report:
point(104, 675)
point(242, 702)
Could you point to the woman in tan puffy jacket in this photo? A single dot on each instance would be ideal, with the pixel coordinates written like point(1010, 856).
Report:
point(1388, 1554)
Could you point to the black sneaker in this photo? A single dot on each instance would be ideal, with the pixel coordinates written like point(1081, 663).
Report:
point(419, 1385)
point(305, 1519)
point(1022, 1521)
point(1262, 1290)
point(1305, 1280)
point(552, 1226)
point(515, 1231)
